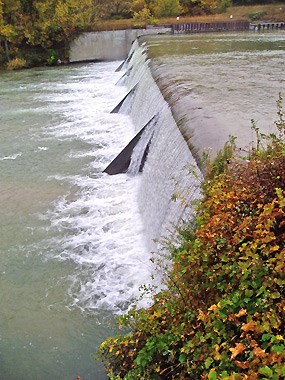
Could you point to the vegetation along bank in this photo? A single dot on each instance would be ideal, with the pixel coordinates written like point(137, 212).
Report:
point(222, 315)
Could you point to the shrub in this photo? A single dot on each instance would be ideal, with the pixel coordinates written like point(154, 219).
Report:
point(166, 8)
point(34, 57)
point(256, 16)
point(17, 64)
point(224, 5)
point(52, 57)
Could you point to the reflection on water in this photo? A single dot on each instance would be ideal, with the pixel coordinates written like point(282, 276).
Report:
point(210, 43)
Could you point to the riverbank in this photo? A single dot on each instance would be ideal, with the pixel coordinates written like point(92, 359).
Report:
point(251, 13)
point(16, 57)
point(222, 314)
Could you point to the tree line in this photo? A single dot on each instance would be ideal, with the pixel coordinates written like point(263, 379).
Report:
point(40, 26)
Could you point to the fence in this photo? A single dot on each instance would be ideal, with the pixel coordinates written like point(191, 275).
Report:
point(200, 27)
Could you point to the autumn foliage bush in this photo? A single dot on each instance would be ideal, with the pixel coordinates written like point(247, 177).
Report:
point(16, 64)
point(222, 315)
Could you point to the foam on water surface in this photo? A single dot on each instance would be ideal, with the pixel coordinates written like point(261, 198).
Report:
point(98, 227)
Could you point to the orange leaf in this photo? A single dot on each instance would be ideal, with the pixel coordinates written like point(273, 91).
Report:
point(242, 365)
point(241, 313)
point(259, 352)
point(250, 326)
point(238, 349)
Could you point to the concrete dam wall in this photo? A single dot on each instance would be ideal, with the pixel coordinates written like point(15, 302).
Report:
point(170, 178)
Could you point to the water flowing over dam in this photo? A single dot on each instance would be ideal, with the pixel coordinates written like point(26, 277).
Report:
point(170, 178)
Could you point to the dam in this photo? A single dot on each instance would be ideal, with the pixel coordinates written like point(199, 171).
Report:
point(201, 90)
point(77, 243)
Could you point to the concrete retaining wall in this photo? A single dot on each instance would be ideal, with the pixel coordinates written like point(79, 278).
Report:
point(107, 46)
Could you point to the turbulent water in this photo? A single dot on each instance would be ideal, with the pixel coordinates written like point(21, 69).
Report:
point(72, 250)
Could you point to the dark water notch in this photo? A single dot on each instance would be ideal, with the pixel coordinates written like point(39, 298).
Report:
point(119, 105)
point(122, 161)
point(119, 68)
point(268, 26)
point(125, 62)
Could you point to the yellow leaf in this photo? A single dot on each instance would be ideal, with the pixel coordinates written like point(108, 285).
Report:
point(274, 248)
point(213, 308)
point(217, 355)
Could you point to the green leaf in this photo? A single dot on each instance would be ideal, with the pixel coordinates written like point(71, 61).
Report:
point(275, 295)
point(182, 358)
point(212, 375)
point(266, 371)
point(222, 314)
point(266, 337)
point(278, 348)
point(208, 362)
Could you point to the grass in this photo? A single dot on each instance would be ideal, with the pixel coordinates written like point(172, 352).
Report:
point(274, 12)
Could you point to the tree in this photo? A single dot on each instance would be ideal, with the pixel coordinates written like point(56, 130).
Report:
point(113, 8)
point(9, 15)
point(166, 8)
point(41, 24)
point(138, 5)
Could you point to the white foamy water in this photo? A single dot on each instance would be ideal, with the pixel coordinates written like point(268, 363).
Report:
point(98, 227)
point(12, 157)
point(101, 232)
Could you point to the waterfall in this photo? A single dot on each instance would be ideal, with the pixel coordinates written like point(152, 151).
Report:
point(171, 178)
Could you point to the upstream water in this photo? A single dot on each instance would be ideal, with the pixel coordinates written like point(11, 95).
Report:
point(72, 252)
point(217, 82)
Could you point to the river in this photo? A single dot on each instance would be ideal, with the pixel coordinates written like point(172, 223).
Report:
point(71, 237)
point(217, 83)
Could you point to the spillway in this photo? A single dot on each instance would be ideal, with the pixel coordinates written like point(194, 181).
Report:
point(201, 89)
point(171, 177)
